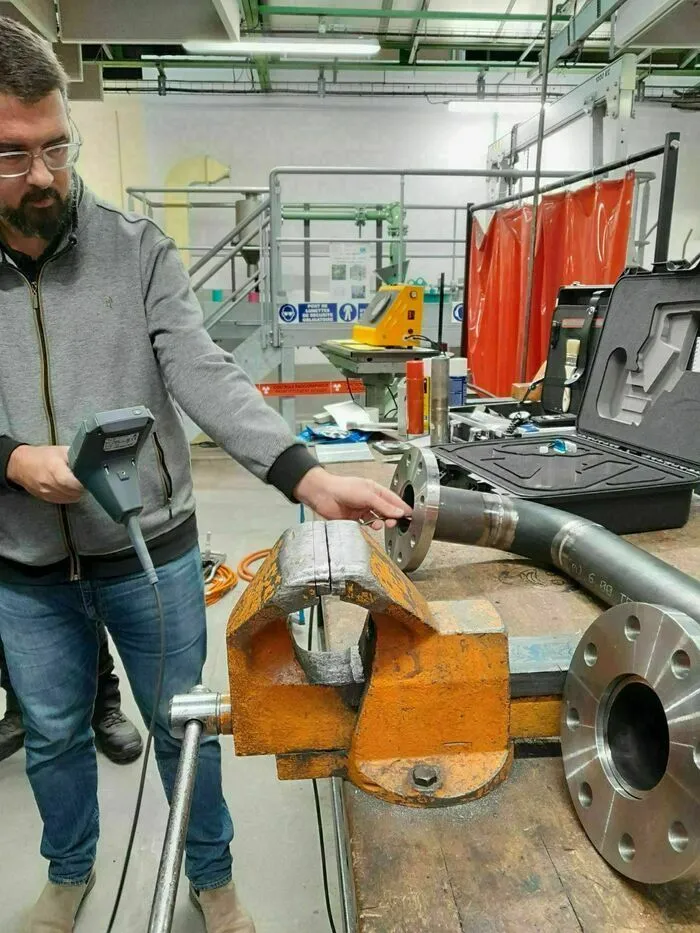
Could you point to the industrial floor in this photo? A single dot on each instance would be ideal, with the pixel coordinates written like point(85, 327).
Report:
point(276, 849)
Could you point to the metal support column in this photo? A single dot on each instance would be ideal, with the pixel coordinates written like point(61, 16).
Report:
point(527, 310)
point(307, 256)
point(643, 222)
point(467, 272)
point(667, 194)
point(597, 135)
point(276, 292)
point(379, 257)
point(288, 407)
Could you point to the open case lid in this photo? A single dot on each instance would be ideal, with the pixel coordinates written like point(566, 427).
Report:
point(642, 392)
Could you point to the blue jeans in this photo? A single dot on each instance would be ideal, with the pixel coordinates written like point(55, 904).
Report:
point(51, 646)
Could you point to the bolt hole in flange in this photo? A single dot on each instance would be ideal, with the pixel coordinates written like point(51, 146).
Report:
point(626, 847)
point(590, 654)
point(678, 836)
point(585, 795)
point(573, 720)
point(632, 628)
point(680, 664)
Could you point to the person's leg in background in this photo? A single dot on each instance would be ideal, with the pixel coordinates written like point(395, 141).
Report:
point(49, 634)
point(115, 735)
point(129, 610)
point(11, 726)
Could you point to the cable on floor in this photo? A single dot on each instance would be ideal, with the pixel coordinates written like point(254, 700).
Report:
point(317, 800)
point(324, 867)
point(224, 581)
point(243, 570)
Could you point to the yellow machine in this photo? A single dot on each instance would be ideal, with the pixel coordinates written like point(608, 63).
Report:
point(394, 314)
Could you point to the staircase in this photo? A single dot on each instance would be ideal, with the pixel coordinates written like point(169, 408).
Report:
point(234, 321)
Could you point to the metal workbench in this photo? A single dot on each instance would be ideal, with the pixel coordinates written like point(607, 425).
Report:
point(516, 860)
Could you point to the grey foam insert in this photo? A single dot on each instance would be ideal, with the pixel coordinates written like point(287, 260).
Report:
point(642, 393)
point(520, 467)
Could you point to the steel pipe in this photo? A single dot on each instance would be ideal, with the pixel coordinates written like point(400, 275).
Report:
point(612, 569)
point(630, 737)
point(163, 906)
point(192, 715)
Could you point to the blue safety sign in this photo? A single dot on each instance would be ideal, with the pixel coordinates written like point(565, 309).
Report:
point(288, 313)
point(322, 312)
point(458, 313)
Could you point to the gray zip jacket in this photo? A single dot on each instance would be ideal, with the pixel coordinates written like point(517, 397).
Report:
point(112, 322)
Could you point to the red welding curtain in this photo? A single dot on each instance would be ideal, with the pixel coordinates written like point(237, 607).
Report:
point(582, 237)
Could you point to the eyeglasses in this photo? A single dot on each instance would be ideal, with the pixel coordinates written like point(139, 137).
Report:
point(55, 158)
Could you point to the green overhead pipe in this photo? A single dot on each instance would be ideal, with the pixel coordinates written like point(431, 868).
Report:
point(358, 13)
point(262, 66)
point(348, 65)
point(251, 13)
point(375, 65)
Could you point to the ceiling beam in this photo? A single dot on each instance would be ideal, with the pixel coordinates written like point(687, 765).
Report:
point(230, 15)
point(71, 57)
point(615, 86)
point(41, 14)
point(442, 15)
point(415, 38)
point(581, 25)
point(138, 22)
point(689, 58)
point(251, 13)
point(504, 21)
point(384, 23)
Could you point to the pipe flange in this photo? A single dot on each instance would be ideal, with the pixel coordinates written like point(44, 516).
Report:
point(630, 736)
point(417, 481)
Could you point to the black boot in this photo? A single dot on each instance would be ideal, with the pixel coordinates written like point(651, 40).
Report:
point(115, 735)
point(11, 725)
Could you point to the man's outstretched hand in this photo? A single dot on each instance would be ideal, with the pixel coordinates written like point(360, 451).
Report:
point(350, 497)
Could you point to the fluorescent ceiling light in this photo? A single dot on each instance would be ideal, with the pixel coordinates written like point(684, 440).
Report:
point(268, 45)
point(519, 107)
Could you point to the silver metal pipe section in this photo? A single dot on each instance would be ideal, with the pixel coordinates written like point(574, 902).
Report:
point(606, 565)
point(163, 906)
point(201, 704)
point(439, 399)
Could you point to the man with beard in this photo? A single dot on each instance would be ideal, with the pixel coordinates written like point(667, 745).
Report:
point(98, 314)
point(38, 216)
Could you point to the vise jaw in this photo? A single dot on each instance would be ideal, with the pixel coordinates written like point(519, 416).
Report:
point(416, 713)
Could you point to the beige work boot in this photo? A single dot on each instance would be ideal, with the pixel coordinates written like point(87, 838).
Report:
point(58, 906)
point(222, 911)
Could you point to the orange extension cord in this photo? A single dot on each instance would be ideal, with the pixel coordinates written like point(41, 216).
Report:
point(243, 569)
point(226, 579)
